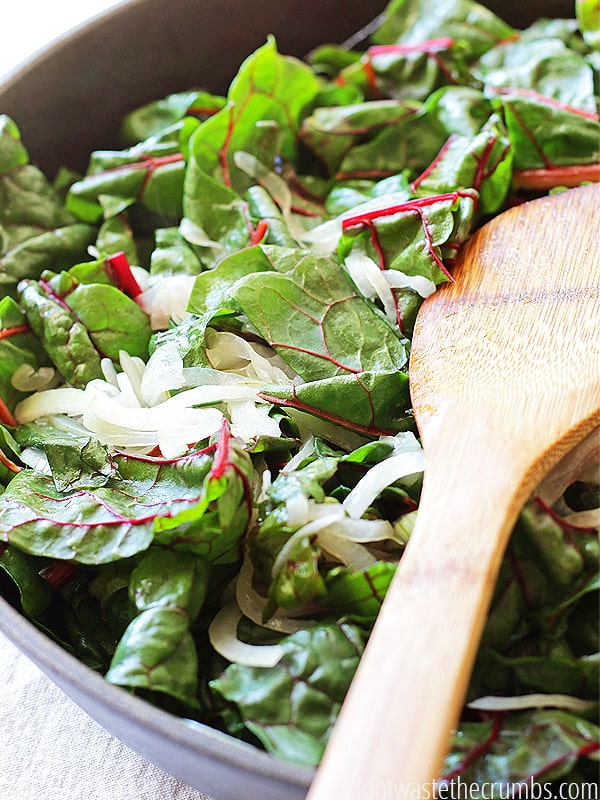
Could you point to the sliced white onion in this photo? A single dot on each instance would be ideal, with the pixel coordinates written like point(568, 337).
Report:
point(365, 531)
point(68, 425)
point(418, 283)
point(252, 605)
point(176, 433)
point(310, 425)
point(109, 372)
point(122, 426)
point(226, 351)
point(297, 510)
point(323, 239)
point(141, 275)
point(166, 299)
point(349, 553)
point(133, 367)
point(163, 374)
point(207, 376)
point(522, 702)
point(370, 281)
point(316, 525)
point(210, 395)
point(249, 421)
point(64, 400)
point(380, 477)
point(27, 379)
point(305, 451)
point(194, 234)
point(36, 459)
point(222, 633)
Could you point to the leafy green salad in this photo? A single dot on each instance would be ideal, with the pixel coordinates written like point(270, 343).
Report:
point(209, 467)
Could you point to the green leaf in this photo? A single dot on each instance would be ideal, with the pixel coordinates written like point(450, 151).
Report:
point(268, 86)
point(332, 133)
point(76, 462)
point(120, 519)
point(213, 526)
point(157, 654)
point(360, 593)
point(24, 570)
point(467, 22)
point(519, 748)
point(349, 357)
point(36, 231)
point(152, 118)
point(172, 255)
point(589, 21)
point(292, 707)
point(408, 71)
point(169, 579)
point(416, 236)
point(63, 336)
point(545, 134)
point(150, 173)
point(18, 348)
point(81, 323)
point(482, 162)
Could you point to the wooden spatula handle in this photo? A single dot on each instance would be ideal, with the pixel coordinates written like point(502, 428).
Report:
point(383, 745)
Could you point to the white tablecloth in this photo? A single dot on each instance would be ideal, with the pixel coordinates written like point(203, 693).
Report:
point(52, 750)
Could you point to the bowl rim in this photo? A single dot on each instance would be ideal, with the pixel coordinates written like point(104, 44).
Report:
point(196, 737)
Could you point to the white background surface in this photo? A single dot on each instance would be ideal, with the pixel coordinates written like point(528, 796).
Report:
point(28, 25)
point(50, 749)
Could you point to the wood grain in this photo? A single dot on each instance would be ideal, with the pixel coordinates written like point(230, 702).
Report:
point(505, 376)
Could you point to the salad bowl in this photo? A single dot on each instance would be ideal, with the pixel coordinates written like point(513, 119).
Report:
point(69, 100)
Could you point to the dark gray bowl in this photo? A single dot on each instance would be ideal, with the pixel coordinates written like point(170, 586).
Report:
point(68, 100)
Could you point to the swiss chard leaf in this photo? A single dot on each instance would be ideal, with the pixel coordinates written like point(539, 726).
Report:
point(18, 347)
point(172, 254)
point(36, 231)
point(514, 749)
point(408, 71)
point(359, 593)
point(150, 119)
point(150, 172)
point(331, 133)
point(268, 86)
point(24, 570)
point(292, 706)
point(76, 462)
point(213, 527)
point(157, 652)
point(350, 358)
point(81, 323)
point(415, 237)
point(464, 21)
point(482, 162)
point(189, 504)
point(546, 133)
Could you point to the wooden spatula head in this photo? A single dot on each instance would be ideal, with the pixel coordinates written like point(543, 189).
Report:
point(518, 332)
point(505, 375)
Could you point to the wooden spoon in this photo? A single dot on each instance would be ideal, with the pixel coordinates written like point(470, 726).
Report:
point(505, 372)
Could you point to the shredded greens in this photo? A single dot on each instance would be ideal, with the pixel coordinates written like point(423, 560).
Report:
point(209, 466)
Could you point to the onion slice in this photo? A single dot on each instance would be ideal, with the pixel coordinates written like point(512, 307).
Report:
point(380, 477)
point(526, 701)
point(222, 634)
